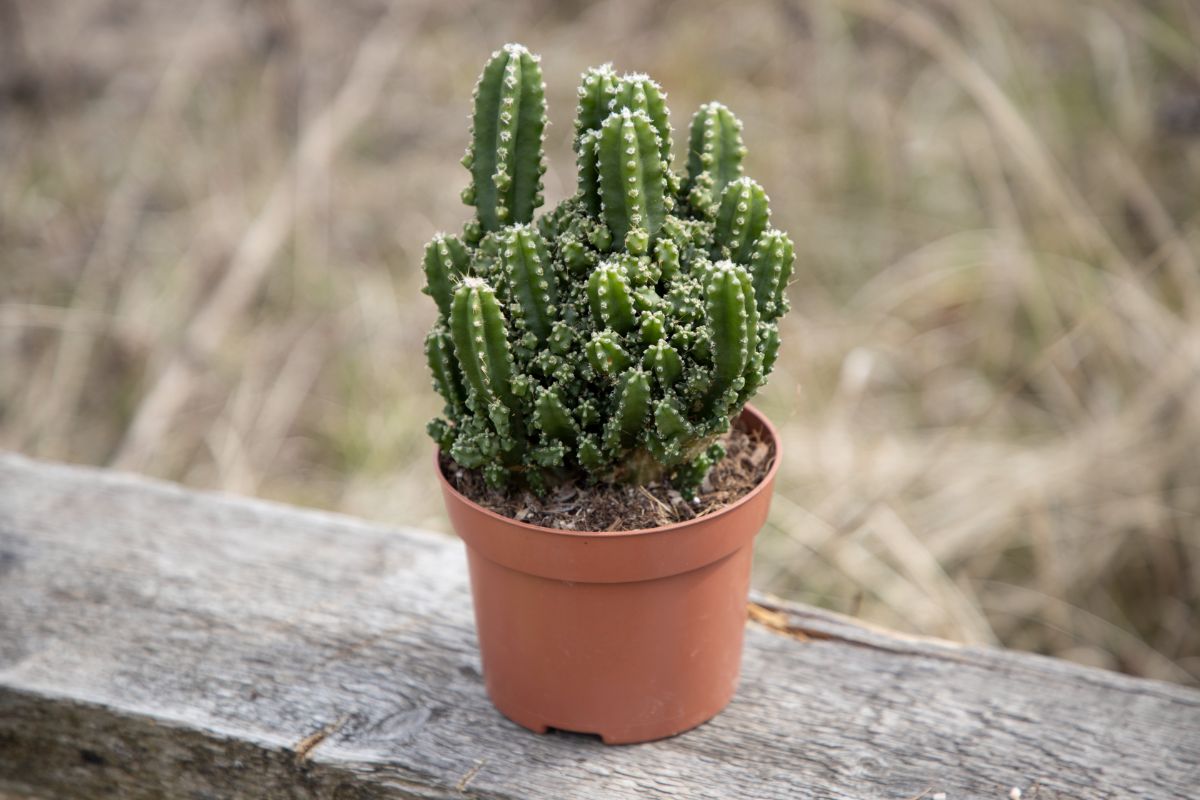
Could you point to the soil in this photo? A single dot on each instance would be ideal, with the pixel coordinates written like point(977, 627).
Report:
point(623, 507)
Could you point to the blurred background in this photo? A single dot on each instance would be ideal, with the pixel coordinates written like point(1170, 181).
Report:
point(212, 214)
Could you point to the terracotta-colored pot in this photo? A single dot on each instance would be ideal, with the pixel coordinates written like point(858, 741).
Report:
point(632, 635)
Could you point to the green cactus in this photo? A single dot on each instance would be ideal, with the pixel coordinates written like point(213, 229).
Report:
point(632, 176)
point(771, 266)
point(610, 298)
point(506, 157)
point(616, 336)
point(445, 260)
point(480, 335)
point(597, 90)
point(632, 405)
point(640, 93)
point(552, 417)
point(531, 280)
point(606, 355)
point(715, 153)
point(741, 218)
point(663, 360)
point(586, 161)
point(732, 317)
point(447, 379)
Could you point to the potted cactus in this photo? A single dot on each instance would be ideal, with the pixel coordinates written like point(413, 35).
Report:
point(613, 339)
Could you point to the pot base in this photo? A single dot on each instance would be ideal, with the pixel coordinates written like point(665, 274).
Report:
point(615, 735)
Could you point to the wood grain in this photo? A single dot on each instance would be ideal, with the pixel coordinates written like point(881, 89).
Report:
point(159, 642)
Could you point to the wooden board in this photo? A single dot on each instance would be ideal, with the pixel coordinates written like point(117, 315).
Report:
point(159, 642)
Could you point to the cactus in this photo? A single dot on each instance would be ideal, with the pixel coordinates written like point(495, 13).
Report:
point(715, 153)
point(640, 93)
point(506, 157)
point(632, 180)
point(597, 91)
point(445, 259)
point(733, 319)
point(741, 218)
point(609, 298)
point(616, 336)
point(771, 266)
point(589, 170)
point(531, 280)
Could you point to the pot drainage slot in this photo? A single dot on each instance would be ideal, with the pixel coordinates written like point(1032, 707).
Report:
point(575, 734)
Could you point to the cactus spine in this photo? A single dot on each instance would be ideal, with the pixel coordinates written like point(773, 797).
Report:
point(616, 336)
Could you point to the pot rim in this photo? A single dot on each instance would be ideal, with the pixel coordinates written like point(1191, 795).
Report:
point(763, 484)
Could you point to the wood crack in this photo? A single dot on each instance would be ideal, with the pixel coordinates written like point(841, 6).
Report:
point(784, 624)
point(305, 746)
point(466, 779)
point(776, 621)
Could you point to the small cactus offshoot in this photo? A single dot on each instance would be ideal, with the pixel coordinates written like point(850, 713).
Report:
point(616, 336)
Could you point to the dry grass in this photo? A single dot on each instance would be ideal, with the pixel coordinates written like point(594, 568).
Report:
point(210, 222)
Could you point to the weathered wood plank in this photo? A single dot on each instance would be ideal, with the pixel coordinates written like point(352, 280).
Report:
point(158, 642)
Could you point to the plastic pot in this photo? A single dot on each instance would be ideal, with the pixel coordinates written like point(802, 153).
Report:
point(631, 635)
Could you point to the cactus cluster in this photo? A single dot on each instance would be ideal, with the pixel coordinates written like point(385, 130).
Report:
point(617, 335)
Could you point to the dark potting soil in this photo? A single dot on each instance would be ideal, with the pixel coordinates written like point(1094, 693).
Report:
point(622, 507)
